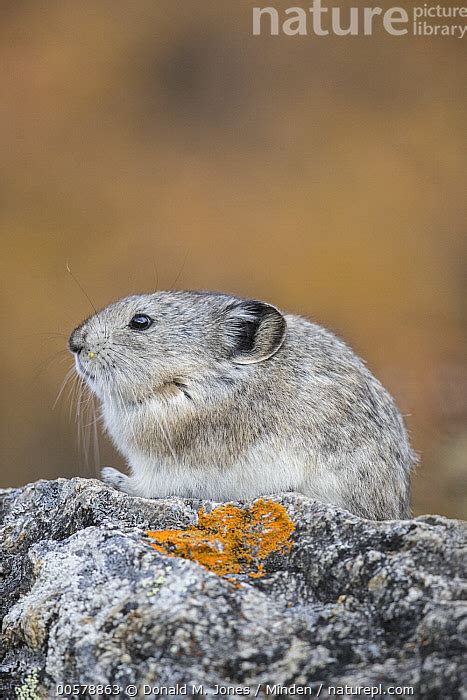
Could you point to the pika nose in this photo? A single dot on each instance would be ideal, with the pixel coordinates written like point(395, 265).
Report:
point(75, 343)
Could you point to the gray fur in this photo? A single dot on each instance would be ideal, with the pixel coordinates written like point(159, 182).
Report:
point(228, 399)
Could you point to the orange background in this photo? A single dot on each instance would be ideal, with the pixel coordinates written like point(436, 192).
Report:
point(160, 144)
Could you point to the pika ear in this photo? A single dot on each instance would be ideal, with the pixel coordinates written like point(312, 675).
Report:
point(254, 331)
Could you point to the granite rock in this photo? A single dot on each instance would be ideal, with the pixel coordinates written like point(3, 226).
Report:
point(356, 603)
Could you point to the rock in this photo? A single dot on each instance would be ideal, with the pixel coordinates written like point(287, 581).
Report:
point(86, 599)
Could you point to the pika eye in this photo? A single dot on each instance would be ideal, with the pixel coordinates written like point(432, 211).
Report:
point(140, 322)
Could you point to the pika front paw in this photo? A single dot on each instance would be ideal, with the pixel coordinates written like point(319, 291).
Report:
point(112, 477)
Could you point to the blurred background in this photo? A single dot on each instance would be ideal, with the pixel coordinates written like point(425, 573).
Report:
point(160, 144)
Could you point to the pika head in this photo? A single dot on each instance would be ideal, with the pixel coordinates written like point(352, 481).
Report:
point(212, 396)
point(137, 346)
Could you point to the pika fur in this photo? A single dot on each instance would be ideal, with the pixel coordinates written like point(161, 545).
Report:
point(216, 397)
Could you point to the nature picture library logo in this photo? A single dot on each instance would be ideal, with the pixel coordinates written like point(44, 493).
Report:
point(319, 20)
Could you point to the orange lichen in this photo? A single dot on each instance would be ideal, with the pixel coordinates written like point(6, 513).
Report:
point(230, 540)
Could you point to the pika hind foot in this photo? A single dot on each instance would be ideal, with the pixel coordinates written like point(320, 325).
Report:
point(112, 477)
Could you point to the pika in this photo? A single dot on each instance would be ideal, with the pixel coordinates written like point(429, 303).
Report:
point(212, 396)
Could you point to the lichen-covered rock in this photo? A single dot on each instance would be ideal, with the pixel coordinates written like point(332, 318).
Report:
point(86, 599)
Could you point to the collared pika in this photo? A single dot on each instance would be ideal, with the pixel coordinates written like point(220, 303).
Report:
point(212, 396)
